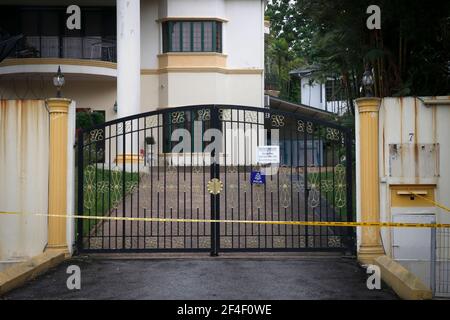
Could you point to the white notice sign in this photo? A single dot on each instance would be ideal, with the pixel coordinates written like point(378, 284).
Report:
point(268, 154)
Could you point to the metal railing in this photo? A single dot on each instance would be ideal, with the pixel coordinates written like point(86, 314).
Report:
point(93, 48)
point(440, 263)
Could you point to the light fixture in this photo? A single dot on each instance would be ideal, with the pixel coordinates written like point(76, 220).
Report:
point(58, 81)
point(115, 106)
point(367, 82)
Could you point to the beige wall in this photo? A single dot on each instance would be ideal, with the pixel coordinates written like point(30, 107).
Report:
point(89, 93)
point(24, 130)
point(414, 152)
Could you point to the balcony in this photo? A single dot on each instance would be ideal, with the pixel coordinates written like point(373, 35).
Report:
point(46, 35)
point(92, 48)
point(47, 42)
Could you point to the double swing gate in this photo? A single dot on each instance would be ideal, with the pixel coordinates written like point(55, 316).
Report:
point(154, 182)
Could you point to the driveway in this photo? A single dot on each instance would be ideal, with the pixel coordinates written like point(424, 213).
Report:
point(207, 278)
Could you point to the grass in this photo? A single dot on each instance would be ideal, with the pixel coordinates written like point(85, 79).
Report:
point(99, 196)
point(331, 195)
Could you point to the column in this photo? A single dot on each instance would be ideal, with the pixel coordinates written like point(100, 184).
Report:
point(128, 72)
point(370, 247)
point(57, 197)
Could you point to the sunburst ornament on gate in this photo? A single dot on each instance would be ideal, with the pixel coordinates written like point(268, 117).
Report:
point(215, 186)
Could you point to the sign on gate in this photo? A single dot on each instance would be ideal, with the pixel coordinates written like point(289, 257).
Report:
point(257, 177)
point(268, 154)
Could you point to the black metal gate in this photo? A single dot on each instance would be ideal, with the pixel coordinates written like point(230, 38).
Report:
point(203, 163)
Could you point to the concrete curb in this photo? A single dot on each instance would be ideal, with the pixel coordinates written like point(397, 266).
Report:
point(19, 274)
point(405, 284)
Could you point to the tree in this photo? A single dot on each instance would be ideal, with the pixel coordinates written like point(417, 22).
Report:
point(410, 54)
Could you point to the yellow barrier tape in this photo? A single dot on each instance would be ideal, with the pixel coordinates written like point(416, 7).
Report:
point(437, 204)
point(295, 223)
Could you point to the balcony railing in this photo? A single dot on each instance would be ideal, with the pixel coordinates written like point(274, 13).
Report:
point(94, 48)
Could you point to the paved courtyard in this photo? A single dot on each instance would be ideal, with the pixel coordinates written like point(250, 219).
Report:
point(233, 278)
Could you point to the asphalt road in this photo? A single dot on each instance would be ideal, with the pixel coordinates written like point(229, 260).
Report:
point(207, 278)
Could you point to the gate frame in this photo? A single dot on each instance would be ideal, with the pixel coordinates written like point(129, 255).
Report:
point(215, 173)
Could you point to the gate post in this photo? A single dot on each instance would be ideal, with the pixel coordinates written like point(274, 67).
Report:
point(57, 199)
point(370, 247)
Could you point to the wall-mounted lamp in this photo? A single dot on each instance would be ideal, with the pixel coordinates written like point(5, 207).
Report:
point(367, 82)
point(115, 106)
point(58, 82)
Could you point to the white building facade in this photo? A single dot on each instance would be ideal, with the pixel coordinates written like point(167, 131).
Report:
point(326, 95)
point(136, 56)
point(129, 57)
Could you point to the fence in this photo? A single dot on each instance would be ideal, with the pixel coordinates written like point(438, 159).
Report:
point(440, 269)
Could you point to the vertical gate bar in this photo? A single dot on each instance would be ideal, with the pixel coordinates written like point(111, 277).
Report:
point(313, 209)
point(291, 160)
point(305, 181)
point(131, 183)
point(242, 123)
point(80, 189)
point(226, 231)
point(109, 185)
point(164, 224)
point(116, 206)
point(299, 228)
point(433, 261)
point(238, 173)
point(325, 165)
point(215, 198)
point(138, 207)
point(103, 179)
point(349, 170)
point(251, 169)
point(124, 129)
point(322, 237)
point(90, 210)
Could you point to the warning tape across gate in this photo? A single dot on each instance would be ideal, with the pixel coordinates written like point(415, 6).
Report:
point(294, 223)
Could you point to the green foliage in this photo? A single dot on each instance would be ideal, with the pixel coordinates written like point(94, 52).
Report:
point(85, 119)
point(410, 55)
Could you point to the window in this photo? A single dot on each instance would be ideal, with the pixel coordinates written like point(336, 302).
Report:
point(46, 35)
point(192, 36)
point(333, 91)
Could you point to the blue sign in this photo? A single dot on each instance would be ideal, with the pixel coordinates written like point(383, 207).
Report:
point(257, 177)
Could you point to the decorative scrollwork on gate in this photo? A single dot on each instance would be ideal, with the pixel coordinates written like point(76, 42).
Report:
point(333, 134)
point(302, 126)
point(120, 127)
point(334, 242)
point(96, 135)
point(112, 187)
point(341, 186)
point(234, 186)
point(225, 114)
point(251, 116)
point(151, 122)
point(314, 189)
point(89, 187)
point(277, 120)
point(337, 185)
point(204, 115)
point(177, 117)
point(285, 179)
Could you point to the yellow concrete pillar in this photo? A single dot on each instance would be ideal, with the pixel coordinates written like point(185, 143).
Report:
point(371, 246)
point(57, 198)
